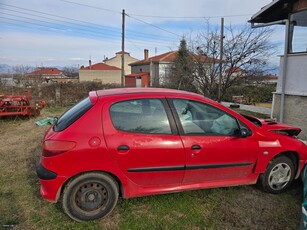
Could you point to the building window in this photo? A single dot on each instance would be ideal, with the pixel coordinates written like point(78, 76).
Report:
point(298, 32)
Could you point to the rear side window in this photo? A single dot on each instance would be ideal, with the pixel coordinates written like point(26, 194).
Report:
point(146, 116)
point(73, 114)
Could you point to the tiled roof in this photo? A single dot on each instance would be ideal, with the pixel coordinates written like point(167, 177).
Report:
point(100, 66)
point(166, 57)
point(271, 76)
point(171, 56)
point(46, 71)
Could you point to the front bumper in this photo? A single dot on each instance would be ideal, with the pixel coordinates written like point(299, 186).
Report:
point(50, 183)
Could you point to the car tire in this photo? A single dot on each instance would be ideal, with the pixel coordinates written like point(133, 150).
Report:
point(90, 196)
point(278, 175)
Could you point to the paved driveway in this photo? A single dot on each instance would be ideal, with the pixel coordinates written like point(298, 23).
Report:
point(252, 108)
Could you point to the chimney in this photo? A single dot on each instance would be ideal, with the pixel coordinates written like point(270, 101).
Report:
point(90, 64)
point(146, 54)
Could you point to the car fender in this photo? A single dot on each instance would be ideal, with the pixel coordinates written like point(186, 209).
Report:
point(278, 144)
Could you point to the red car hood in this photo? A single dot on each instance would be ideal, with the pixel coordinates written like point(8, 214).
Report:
point(274, 126)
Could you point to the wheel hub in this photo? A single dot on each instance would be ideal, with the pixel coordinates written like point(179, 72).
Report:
point(91, 196)
point(279, 176)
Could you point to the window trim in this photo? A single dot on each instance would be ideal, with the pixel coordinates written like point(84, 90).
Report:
point(292, 31)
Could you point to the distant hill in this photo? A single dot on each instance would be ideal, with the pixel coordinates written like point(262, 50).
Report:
point(4, 68)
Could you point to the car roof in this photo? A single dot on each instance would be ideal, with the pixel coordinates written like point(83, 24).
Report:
point(121, 91)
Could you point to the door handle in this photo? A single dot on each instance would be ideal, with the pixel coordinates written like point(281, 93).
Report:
point(123, 148)
point(195, 147)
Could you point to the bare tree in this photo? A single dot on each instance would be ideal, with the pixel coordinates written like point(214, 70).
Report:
point(70, 71)
point(21, 72)
point(245, 52)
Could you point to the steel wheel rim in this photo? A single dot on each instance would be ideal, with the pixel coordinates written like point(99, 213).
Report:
point(279, 176)
point(91, 196)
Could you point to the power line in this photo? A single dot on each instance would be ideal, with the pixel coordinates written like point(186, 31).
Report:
point(153, 25)
point(89, 6)
point(91, 34)
point(158, 16)
point(99, 8)
point(88, 33)
point(189, 17)
point(39, 16)
point(91, 30)
point(53, 15)
point(42, 15)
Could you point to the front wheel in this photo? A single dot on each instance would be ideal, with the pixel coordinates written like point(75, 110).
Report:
point(90, 196)
point(278, 175)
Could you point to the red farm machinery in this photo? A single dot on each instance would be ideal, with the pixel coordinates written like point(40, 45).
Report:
point(19, 105)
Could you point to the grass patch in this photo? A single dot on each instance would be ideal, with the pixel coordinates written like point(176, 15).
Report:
point(21, 205)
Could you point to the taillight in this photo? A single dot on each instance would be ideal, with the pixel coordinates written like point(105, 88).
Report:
point(52, 147)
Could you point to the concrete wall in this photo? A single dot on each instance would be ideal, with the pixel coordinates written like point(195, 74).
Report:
point(140, 68)
point(165, 71)
point(104, 76)
point(296, 80)
point(295, 112)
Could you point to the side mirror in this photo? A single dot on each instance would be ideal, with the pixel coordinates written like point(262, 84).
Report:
point(243, 132)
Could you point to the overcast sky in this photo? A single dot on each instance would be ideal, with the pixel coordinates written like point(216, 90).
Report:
point(70, 32)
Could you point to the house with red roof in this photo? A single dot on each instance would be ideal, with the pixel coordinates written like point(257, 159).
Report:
point(159, 68)
point(48, 75)
point(100, 72)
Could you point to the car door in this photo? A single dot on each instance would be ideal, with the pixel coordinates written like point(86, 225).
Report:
point(141, 139)
point(215, 152)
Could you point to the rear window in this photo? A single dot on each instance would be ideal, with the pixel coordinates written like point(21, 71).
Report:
point(73, 114)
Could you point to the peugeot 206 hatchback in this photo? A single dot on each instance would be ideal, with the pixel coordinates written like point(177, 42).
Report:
point(137, 142)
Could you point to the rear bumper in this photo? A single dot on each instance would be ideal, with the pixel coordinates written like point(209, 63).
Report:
point(43, 173)
point(50, 183)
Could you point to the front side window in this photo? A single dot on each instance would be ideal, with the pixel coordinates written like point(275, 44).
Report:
point(201, 119)
point(146, 116)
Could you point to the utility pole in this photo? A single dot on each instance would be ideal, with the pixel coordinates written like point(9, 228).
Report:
point(221, 59)
point(123, 49)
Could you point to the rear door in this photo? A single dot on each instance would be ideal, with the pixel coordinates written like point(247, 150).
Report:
point(141, 136)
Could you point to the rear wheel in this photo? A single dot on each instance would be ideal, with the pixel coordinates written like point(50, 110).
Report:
point(278, 175)
point(90, 196)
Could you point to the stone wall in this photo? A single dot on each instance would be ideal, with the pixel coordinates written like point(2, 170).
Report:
point(295, 112)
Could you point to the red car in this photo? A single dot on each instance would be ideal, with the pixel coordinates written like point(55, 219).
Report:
point(137, 142)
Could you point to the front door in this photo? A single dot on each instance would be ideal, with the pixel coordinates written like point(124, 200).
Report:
point(140, 138)
point(215, 153)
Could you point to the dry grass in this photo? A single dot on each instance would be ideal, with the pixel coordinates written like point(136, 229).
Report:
point(243, 207)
